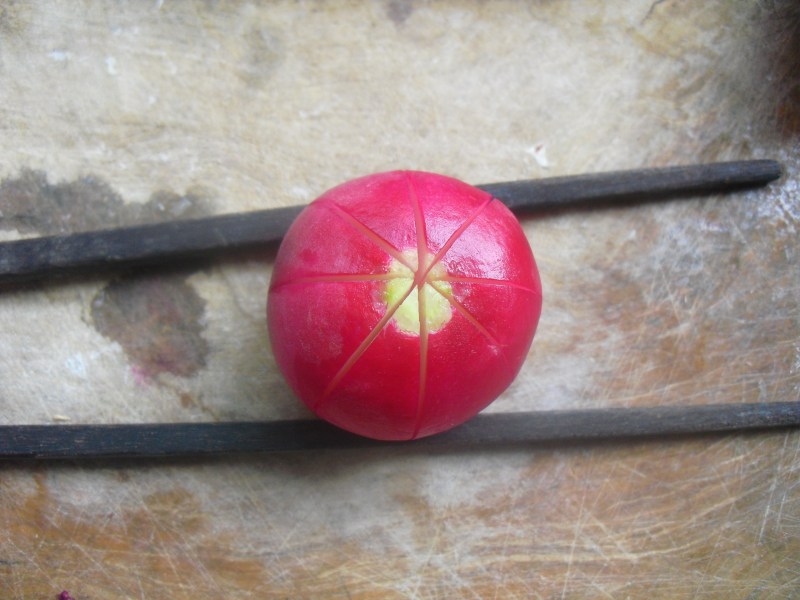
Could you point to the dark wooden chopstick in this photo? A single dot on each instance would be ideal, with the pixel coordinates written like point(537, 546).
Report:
point(494, 429)
point(555, 193)
point(147, 244)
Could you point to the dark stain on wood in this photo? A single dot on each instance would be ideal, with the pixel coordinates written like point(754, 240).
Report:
point(158, 321)
point(782, 34)
point(399, 10)
point(264, 55)
point(14, 17)
point(29, 203)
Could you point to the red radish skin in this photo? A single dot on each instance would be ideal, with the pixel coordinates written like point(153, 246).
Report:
point(351, 332)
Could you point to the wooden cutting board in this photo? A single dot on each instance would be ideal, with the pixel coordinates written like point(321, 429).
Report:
point(119, 114)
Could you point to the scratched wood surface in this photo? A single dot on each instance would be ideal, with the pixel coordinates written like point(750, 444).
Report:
point(120, 114)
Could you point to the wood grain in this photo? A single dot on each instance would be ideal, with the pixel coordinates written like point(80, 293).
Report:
point(134, 112)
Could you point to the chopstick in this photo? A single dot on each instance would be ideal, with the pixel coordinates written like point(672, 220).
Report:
point(485, 430)
point(29, 259)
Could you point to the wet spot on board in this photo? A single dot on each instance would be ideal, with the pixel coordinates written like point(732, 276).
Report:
point(156, 318)
point(399, 10)
point(158, 321)
point(263, 56)
point(187, 400)
point(29, 203)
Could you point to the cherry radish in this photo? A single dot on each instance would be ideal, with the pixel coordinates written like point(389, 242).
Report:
point(402, 304)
